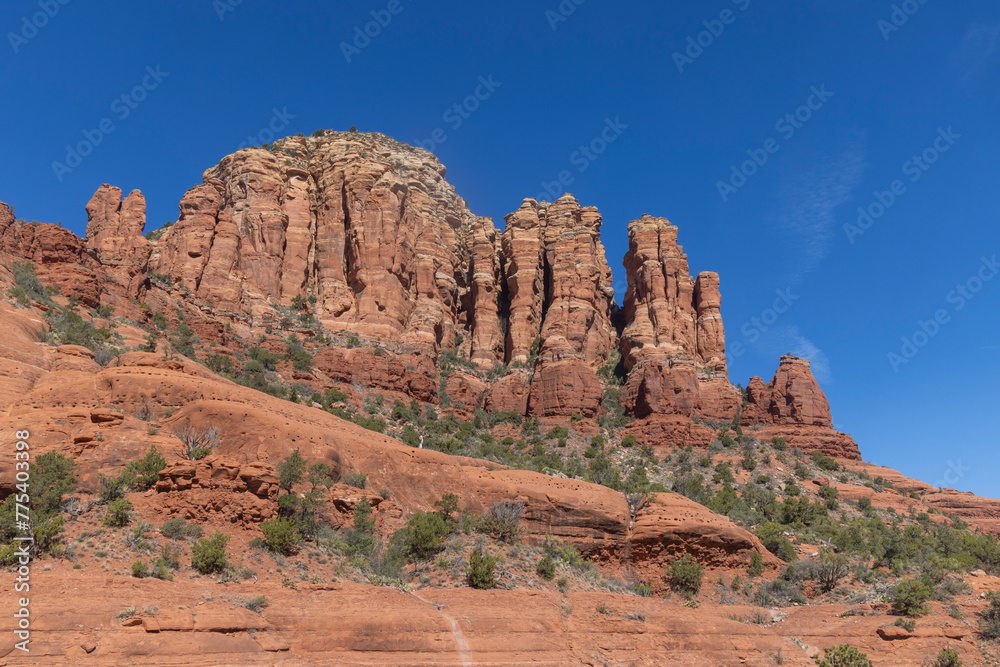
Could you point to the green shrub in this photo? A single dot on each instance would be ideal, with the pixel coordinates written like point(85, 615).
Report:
point(830, 569)
point(300, 358)
point(844, 655)
point(119, 513)
point(66, 327)
point(557, 432)
point(28, 287)
point(774, 540)
point(779, 443)
point(208, 555)
point(50, 477)
point(947, 658)
point(684, 575)
point(146, 471)
point(218, 363)
point(757, 566)
point(424, 535)
point(290, 471)
point(281, 535)
point(358, 480)
point(112, 488)
point(909, 597)
point(178, 529)
point(139, 569)
point(256, 604)
point(628, 441)
point(332, 395)
point(447, 506)
point(864, 503)
point(546, 568)
point(824, 462)
point(198, 443)
point(989, 619)
point(482, 570)
point(170, 556)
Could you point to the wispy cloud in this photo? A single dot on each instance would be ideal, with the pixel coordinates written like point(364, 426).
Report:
point(811, 198)
point(979, 45)
point(788, 339)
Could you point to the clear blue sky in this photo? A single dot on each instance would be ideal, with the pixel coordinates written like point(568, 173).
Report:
point(894, 87)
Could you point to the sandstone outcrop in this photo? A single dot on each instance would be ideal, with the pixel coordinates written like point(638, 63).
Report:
point(114, 234)
point(673, 344)
point(59, 256)
point(366, 225)
point(793, 406)
point(560, 302)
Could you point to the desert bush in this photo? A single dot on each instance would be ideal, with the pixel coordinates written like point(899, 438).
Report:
point(291, 471)
point(684, 575)
point(448, 506)
point(198, 443)
point(67, 327)
point(178, 529)
point(482, 570)
point(114, 487)
point(119, 513)
point(256, 605)
point(49, 479)
point(358, 480)
point(423, 535)
point(844, 655)
point(139, 569)
point(546, 568)
point(757, 566)
point(170, 556)
point(564, 551)
point(145, 472)
point(503, 520)
point(557, 432)
point(208, 555)
point(830, 569)
point(989, 618)
point(947, 658)
point(27, 287)
point(910, 597)
point(281, 535)
point(774, 540)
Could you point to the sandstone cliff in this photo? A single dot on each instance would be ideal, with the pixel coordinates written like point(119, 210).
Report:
point(368, 233)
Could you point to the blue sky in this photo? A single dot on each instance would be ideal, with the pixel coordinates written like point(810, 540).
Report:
point(693, 90)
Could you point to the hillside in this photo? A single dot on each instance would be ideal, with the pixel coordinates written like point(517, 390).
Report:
point(364, 389)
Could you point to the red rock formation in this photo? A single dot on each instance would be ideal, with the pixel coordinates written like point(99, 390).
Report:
point(60, 258)
point(559, 292)
point(509, 393)
point(673, 344)
point(412, 374)
point(482, 305)
point(365, 224)
point(114, 234)
point(793, 406)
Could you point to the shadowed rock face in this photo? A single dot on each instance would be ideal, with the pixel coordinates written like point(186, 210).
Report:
point(368, 231)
